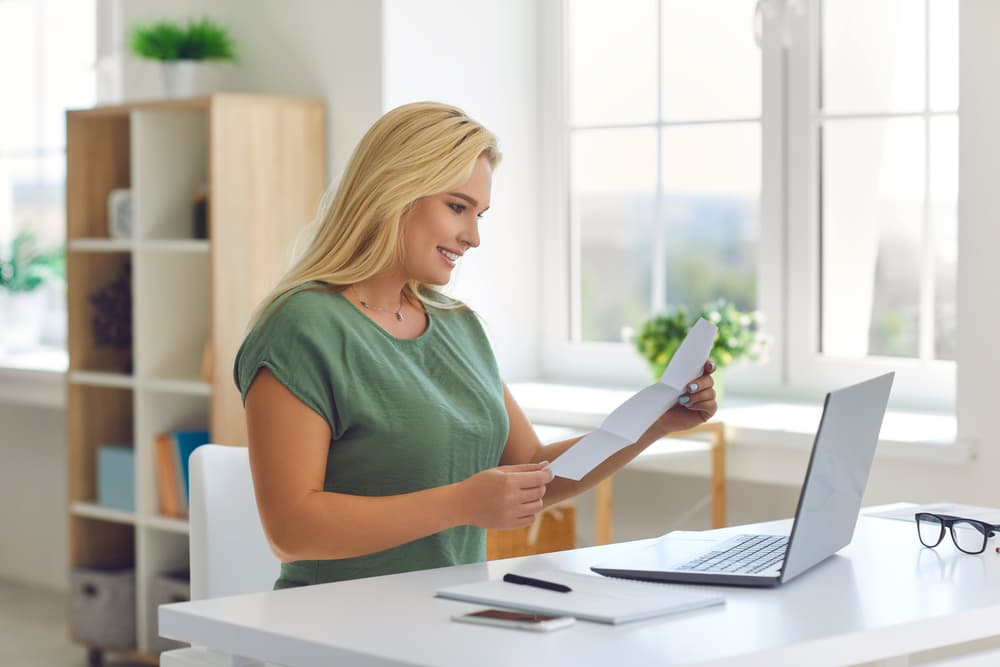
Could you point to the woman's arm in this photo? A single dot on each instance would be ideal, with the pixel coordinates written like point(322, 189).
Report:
point(524, 446)
point(289, 443)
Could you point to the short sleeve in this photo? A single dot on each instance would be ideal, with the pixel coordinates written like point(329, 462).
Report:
point(291, 341)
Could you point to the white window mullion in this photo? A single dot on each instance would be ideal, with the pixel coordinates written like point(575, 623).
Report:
point(925, 325)
point(558, 304)
point(802, 153)
point(658, 274)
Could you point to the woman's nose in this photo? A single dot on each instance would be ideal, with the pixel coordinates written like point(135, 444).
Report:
point(470, 237)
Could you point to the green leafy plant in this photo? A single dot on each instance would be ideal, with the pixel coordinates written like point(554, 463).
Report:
point(28, 267)
point(198, 40)
point(739, 336)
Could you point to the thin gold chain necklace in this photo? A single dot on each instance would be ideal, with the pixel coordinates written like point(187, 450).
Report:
point(371, 306)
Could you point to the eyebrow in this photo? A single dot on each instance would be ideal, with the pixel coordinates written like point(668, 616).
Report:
point(469, 199)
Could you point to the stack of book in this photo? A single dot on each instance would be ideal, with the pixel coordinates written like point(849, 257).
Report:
point(172, 481)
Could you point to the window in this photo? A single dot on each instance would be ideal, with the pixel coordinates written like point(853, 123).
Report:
point(47, 51)
point(811, 175)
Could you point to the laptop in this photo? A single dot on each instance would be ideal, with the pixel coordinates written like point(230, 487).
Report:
point(824, 520)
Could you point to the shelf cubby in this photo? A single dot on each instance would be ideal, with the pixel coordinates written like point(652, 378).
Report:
point(98, 160)
point(98, 543)
point(160, 552)
point(174, 316)
point(162, 412)
point(98, 341)
point(169, 166)
point(96, 416)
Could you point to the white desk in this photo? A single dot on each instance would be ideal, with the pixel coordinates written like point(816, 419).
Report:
point(882, 596)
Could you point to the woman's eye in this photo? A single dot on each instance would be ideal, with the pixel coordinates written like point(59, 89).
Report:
point(457, 208)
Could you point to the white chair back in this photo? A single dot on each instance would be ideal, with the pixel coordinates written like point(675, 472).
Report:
point(228, 550)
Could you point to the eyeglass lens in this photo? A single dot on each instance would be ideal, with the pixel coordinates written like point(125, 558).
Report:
point(968, 536)
point(930, 529)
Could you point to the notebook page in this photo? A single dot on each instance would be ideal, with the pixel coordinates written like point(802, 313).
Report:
point(593, 598)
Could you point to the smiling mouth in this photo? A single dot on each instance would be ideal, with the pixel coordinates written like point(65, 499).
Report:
point(451, 257)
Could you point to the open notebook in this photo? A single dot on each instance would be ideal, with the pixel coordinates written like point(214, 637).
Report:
point(593, 598)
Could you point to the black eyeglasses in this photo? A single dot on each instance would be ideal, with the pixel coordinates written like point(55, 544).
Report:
point(969, 535)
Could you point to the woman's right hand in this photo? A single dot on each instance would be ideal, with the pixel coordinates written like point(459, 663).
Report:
point(505, 497)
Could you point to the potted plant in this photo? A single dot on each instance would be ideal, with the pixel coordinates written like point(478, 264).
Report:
point(739, 337)
point(23, 273)
point(181, 51)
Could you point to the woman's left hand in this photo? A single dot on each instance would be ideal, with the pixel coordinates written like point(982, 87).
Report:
point(695, 406)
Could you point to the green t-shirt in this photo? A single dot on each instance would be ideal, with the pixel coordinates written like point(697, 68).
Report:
point(405, 415)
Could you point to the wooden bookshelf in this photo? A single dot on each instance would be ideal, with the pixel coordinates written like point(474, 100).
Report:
point(262, 160)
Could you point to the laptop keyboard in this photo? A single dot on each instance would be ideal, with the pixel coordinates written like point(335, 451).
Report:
point(751, 554)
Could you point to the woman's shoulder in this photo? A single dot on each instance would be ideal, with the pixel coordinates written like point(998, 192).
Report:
point(301, 311)
point(309, 300)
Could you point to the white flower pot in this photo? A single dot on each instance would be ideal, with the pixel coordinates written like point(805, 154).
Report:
point(181, 78)
point(23, 315)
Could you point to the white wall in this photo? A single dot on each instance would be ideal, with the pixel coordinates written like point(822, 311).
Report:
point(33, 522)
point(330, 49)
point(482, 55)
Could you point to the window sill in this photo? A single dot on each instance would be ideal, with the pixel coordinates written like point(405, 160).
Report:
point(36, 378)
point(755, 423)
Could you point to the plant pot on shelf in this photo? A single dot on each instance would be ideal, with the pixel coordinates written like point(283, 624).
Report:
point(181, 78)
point(23, 315)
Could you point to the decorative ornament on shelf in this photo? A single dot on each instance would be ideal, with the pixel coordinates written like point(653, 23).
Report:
point(111, 320)
point(739, 337)
point(182, 52)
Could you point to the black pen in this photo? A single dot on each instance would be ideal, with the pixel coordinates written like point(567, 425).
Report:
point(537, 583)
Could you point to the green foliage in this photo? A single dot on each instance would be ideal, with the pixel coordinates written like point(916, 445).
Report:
point(28, 268)
point(739, 336)
point(199, 40)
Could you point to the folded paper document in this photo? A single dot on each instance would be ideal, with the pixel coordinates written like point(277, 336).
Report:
point(631, 419)
point(592, 598)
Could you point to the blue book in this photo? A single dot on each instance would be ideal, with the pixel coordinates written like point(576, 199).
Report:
point(185, 442)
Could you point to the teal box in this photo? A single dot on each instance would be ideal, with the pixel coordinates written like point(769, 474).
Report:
point(116, 477)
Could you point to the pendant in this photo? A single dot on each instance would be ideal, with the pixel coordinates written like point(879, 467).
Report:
point(399, 316)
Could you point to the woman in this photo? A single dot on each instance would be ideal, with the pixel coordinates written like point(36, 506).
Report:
point(381, 436)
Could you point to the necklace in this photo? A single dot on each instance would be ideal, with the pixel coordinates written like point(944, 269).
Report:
point(370, 306)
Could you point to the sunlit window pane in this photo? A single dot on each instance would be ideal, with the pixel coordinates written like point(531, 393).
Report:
point(944, 54)
point(711, 66)
point(18, 111)
point(32, 196)
point(612, 61)
point(944, 221)
point(711, 185)
point(613, 202)
point(872, 236)
point(68, 54)
point(873, 55)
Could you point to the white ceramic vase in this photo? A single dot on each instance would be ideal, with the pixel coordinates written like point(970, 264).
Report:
point(180, 78)
point(22, 314)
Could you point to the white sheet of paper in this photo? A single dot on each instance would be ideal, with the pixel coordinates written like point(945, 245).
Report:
point(987, 514)
point(631, 419)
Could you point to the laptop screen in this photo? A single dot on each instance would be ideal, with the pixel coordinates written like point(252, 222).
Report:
point(838, 473)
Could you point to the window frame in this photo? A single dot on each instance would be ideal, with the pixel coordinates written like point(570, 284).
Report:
point(789, 52)
point(918, 384)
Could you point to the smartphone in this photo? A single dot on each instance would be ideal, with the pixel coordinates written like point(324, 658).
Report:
point(516, 619)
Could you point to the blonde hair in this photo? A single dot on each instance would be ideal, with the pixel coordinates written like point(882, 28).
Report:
point(413, 151)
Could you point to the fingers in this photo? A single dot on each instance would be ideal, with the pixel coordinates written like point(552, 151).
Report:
point(529, 479)
point(524, 467)
point(700, 396)
point(530, 509)
point(710, 366)
point(699, 384)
